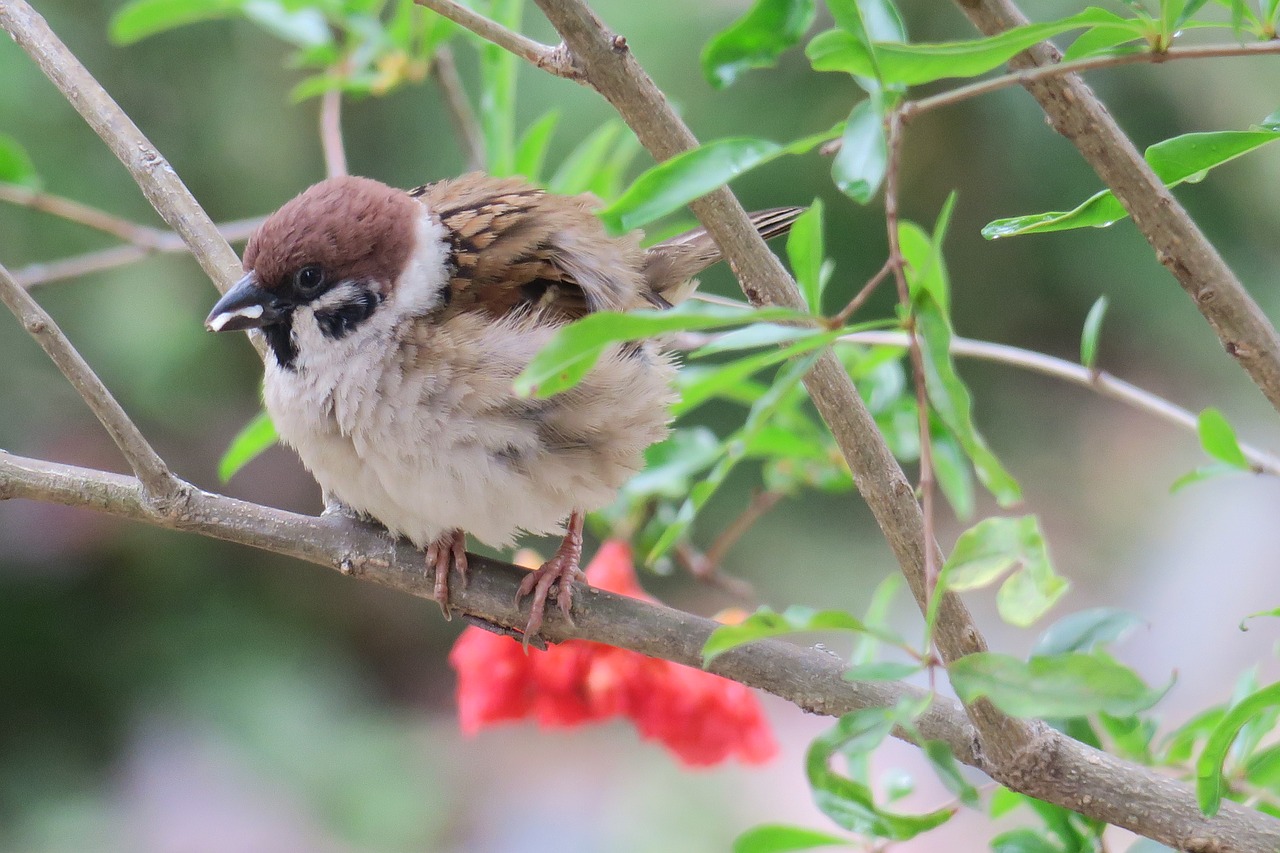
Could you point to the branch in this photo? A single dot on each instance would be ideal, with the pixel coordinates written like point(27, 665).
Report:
point(554, 60)
point(1066, 772)
point(1075, 112)
point(159, 485)
point(335, 155)
point(165, 243)
point(610, 68)
point(465, 123)
point(1090, 63)
point(71, 210)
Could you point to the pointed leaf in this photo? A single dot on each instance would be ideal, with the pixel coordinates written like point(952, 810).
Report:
point(1209, 781)
point(775, 838)
point(1086, 631)
point(767, 622)
point(1071, 685)
point(859, 167)
point(1219, 440)
point(1092, 329)
point(531, 151)
point(806, 254)
point(255, 437)
point(579, 169)
point(16, 166)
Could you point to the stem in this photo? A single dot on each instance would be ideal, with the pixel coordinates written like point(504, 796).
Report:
point(142, 236)
point(335, 155)
point(465, 123)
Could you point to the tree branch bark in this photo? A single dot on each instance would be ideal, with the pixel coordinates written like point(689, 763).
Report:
point(1065, 771)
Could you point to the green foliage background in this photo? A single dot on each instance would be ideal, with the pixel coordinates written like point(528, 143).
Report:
point(156, 682)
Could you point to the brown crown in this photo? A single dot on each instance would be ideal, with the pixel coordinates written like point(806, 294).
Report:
point(354, 228)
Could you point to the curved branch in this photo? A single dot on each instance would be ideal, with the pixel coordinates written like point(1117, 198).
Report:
point(1066, 772)
point(554, 60)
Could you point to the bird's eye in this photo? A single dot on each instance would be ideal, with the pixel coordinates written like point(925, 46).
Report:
point(309, 280)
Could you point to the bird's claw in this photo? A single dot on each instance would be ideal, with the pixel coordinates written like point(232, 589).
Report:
point(451, 547)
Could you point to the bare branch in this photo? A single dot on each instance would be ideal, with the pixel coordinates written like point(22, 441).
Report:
point(166, 242)
point(158, 483)
point(1090, 63)
point(465, 123)
point(71, 210)
point(610, 68)
point(554, 60)
point(335, 154)
point(1101, 381)
point(1075, 112)
point(1066, 771)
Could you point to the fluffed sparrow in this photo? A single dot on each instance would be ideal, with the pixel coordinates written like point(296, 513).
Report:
point(396, 323)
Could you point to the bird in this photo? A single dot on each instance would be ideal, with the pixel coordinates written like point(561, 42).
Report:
point(395, 324)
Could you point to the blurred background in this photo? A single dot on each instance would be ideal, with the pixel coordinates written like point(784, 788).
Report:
point(162, 692)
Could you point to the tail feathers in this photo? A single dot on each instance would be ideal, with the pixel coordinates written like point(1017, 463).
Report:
point(671, 264)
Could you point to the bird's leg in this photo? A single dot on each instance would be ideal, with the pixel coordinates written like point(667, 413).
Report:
point(558, 573)
point(451, 547)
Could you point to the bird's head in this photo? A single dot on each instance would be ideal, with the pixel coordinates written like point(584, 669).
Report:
point(333, 253)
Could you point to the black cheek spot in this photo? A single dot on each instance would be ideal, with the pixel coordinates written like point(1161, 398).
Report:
point(340, 321)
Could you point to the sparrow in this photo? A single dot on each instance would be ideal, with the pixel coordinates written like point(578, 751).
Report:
point(395, 325)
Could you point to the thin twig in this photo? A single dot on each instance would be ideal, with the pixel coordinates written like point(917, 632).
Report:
point(71, 210)
point(335, 154)
point(1068, 772)
point(862, 295)
point(157, 481)
point(1077, 113)
point(897, 265)
point(465, 123)
point(705, 566)
point(910, 109)
point(552, 59)
point(166, 242)
point(1101, 381)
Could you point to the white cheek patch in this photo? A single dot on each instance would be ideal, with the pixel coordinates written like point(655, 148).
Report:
point(249, 312)
point(420, 287)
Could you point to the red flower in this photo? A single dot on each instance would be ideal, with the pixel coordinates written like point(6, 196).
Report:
point(702, 718)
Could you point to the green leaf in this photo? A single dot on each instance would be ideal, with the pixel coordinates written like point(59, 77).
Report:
point(531, 151)
point(882, 671)
point(757, 39)
point(1175, 161)
point(139, 19)
point(670, 185)
point(806, 254)
point(1209, 781)
point(1071, 685)
point(255, 437)
point(1086, 631)
point(16, 166)
point(776, 838)
point(952, 472)
point(1219, 440)
point(1092, 329)
point(1275, 611)
point(913, 64)
point(498, 68)
point(579, 169)
point(877, 616)
point(301, 27)
point(796, 619)
point(610, 178)
point(859, 166)
point(1023, 841)
point(948, 769)
point(992, 547)
point(576, 347)
point(851, 804)
point(671, 464)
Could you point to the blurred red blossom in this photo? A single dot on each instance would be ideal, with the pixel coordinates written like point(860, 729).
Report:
point(702, 718)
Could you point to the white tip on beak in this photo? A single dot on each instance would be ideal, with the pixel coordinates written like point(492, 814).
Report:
point(248, 312)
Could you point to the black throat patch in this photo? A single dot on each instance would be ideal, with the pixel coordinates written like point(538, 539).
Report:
point(280, 338)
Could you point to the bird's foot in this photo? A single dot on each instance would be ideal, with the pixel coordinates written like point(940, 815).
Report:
point(555, 576)
point(451, 547)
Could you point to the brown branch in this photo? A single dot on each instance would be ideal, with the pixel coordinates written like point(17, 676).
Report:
point(860, 298)
point(159, 485)
point(1077, 113)
point(465, 123)
point(552, 59)
point(1067, 772)
point(71, 210)
point(166, 242)
point(1090, 63)
point(335, 154)
point(611, 69)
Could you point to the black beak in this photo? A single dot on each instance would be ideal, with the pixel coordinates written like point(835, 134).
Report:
point(245, 306)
